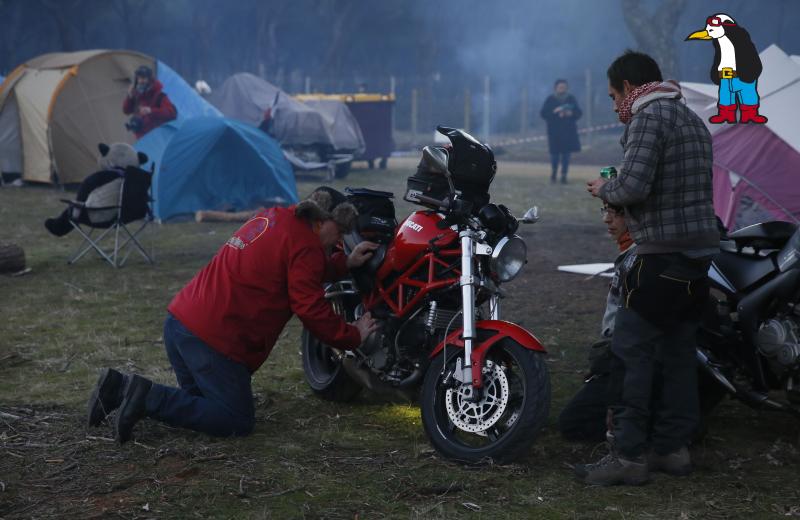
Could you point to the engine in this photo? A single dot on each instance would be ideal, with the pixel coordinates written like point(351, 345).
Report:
point(779, 340)
point(398, 347)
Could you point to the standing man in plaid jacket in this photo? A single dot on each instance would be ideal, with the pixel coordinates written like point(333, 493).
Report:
point(665, 186)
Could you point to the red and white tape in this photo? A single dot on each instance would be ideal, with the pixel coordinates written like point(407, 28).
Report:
point(533, 139)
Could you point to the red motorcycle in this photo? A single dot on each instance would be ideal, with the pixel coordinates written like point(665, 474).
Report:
point(434, 286)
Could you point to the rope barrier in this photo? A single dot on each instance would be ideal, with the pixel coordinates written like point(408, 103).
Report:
point(536, 138)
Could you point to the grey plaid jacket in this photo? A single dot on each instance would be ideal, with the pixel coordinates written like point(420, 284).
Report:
point(665, 180)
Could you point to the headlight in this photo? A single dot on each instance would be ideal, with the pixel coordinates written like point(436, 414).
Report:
point(509, 255)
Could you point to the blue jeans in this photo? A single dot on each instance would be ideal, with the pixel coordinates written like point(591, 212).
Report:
point(729, 89)
point(215, 396)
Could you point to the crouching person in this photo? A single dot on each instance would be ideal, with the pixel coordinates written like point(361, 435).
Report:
point(584, 417)
point(222, 326)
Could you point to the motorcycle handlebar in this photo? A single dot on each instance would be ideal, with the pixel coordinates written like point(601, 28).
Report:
point(436, 202)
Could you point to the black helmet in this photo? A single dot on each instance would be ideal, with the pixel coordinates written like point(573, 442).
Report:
point(471, 164)
point(143, 71)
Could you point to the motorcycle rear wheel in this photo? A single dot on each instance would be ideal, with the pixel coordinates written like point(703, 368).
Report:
point(514, 406)
point(324, 371)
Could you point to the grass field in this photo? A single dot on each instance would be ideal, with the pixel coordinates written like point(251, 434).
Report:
point(307, 458)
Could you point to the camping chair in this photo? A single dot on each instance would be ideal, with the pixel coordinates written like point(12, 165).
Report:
point(111, 207)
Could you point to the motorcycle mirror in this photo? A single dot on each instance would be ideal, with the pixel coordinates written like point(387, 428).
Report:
point(531, 216)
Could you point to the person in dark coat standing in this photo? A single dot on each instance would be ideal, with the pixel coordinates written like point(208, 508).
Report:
point(561, 111)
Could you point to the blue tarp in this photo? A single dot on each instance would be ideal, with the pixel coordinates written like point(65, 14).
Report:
point(219, 164)
point(188, 102)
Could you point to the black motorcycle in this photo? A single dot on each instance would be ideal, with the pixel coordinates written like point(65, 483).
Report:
point(750, 339)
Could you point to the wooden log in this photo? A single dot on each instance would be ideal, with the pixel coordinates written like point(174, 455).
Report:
point(12, 258)
point(225, 216)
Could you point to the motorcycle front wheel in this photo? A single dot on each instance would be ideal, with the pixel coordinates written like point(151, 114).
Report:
point(324, 372)
point(503, 423)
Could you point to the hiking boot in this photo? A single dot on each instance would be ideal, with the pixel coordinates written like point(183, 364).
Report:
point(106, 396)
point(132, 409)
point(613, 470)
point(678, 463)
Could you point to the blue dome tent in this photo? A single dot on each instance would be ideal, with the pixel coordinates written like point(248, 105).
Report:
point(154, 142)
point(188, 102)
point(213, 163)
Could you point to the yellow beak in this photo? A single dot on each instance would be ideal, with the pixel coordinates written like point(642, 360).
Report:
point(699, 35)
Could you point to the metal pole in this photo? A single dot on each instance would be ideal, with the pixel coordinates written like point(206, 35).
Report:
point(308, 84)
point(413, 115)
point(523, 112)
point(467, 109)
point(588, 106)
point(486, 107)
point(392, 89)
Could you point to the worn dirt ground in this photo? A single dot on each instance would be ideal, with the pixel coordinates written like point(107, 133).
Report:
point(60, 324)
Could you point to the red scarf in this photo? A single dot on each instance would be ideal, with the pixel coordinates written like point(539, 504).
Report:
point(625, 241)
point(625, 107)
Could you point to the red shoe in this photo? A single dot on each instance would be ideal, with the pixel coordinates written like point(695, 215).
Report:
point(727, 114)
point(750, 114)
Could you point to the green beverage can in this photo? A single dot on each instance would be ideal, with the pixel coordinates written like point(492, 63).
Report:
point(608, 173)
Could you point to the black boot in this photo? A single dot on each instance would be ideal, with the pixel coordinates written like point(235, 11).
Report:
point(59, 226)
point(106, 396)
point(132, 409)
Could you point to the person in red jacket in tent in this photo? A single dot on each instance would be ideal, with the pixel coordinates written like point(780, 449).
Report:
point(146, 103)
point(223, 324)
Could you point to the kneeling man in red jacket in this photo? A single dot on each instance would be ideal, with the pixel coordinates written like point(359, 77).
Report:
point(223, 324)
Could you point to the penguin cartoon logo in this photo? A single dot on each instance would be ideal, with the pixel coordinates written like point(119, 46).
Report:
point(736, 69)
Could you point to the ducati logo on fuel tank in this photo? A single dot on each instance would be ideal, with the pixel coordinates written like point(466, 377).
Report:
point(413, 225)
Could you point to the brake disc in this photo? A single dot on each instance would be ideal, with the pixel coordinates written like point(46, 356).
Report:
point(478, 416)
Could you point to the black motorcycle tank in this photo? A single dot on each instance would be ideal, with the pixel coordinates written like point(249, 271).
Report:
point(743, 271)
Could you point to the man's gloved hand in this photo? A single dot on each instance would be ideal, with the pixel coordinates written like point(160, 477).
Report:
point(361, 254)
point(365, 325)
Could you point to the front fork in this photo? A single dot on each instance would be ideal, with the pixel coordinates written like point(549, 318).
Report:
point(467, 369)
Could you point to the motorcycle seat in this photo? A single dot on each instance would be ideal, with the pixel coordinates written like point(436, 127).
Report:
point(765, 235)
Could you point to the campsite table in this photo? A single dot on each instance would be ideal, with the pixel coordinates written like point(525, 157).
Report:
point(374, 115)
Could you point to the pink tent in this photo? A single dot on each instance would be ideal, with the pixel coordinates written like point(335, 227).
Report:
point(757, 167)
point(756, 177)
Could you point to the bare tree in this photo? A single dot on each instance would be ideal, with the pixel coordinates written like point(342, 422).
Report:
point(654, 32)
point(70, 22)
point(132, 14)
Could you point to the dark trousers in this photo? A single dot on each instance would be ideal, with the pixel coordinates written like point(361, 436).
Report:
point(584, 417)
point(654, 352)
point(563, 157)
point(215, 396)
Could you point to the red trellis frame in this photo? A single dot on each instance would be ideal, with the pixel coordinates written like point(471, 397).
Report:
point(394, 295)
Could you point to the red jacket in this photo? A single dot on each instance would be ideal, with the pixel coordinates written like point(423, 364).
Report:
point(161, 108)
point(272, 267)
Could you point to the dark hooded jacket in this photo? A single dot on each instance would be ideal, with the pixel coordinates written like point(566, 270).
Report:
point(161, 108)
point(748, 62)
